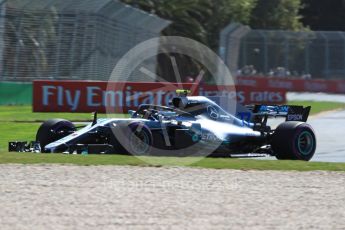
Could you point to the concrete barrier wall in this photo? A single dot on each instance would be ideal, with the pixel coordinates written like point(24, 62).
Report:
point(15, 93)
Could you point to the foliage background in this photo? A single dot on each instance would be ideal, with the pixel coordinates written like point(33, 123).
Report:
point(203, 20)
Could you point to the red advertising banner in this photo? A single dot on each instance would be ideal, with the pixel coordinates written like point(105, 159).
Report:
point(119, 97)
point(88, 96)
point(295, 85)
point(246, 94)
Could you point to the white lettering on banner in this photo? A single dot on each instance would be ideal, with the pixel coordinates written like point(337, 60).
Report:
point(112, 98)
point(266, 96)
point(116, 98)
point(280, 84)
point(137, 95)
point(160, 94)
point(60, 93)
point(149, 98)
point(90, 96)
point(128, 96)
point(132, 98)
point(73, 102)
point(47, 93)
point(169, 97)
point(97, 97)
point(239, 95)
point(60, 96)
point(315, 86)
point(246, 82)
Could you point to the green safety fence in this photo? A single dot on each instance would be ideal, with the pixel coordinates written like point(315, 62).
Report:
point(15, 93)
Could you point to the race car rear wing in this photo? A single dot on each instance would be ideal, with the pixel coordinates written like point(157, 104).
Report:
point(290, 112)
point(260, 113)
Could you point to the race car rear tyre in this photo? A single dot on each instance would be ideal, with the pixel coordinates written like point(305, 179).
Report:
point(140, 139)
point(294, 141)
point(53, 130)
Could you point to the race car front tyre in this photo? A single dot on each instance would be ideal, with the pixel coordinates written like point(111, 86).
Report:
point(294, 141)
point(53, 130)
point(140, 139)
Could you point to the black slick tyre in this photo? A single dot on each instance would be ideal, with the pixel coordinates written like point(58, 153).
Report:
point(294, 141)
point(53, 130)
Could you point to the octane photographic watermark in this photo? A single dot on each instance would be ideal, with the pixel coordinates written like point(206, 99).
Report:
point(170, 186)
point(141, 63)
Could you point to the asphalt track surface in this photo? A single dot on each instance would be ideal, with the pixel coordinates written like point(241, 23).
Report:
point(330, 134)
point(315, 97)
point(329, 127)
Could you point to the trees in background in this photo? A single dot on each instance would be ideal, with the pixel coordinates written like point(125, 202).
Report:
point(324, 14)
point(277, 14)
point(203, 20)
point(220, 13)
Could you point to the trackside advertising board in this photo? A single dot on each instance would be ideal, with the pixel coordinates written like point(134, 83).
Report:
point(119, 97)
point(294, 85)
point(245, 94)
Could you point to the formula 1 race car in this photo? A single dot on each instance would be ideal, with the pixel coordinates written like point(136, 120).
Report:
point(190, 126)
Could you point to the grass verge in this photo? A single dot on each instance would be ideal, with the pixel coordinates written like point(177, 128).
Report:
point(319, 106)
point(26, 129)
point(212, 163)
point(25, 114)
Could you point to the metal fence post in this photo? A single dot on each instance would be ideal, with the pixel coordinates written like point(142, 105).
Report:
point(326, 54)
point(2, 35)
point(265, 58)
point(18, 48)
point(230, 42)
point(57, 51)
point(342, 34)
point(307, 58)
point(287, 50)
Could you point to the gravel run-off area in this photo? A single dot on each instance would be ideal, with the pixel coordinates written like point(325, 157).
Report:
point(112, 197)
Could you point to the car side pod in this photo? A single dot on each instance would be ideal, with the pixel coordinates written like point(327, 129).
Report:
point(100, 148)
point(85, 149)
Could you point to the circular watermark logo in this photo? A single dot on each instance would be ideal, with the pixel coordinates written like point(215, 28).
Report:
point(167, 121)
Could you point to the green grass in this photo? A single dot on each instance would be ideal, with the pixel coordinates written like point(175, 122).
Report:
point(214, 163)
point(318, 107)
point(20, 123)
point(11, 131)
point(28, 124)
point(25, 114)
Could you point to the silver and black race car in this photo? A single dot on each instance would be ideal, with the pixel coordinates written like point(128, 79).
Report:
point(190, 126)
